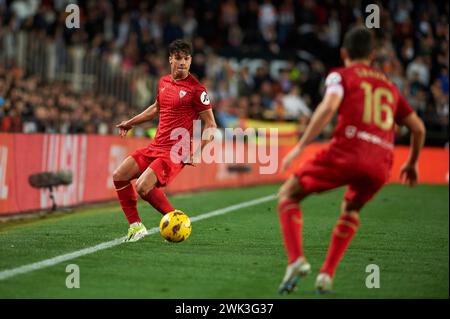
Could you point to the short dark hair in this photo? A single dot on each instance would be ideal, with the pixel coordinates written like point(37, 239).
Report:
point(359, 43)
point(180, 46)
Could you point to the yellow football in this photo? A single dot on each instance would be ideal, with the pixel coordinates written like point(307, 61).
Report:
point(175, 226)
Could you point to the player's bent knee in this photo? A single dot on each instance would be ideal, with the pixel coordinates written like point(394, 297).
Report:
point(145, 184)
point(142, 189)
point(117, 175)
point(291, 190)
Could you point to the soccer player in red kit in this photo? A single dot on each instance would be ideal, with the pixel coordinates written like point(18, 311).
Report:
point(181, 99)
point(359, 155)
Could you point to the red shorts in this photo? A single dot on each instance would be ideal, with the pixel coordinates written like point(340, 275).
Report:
point(165, 169)
point(327, 171)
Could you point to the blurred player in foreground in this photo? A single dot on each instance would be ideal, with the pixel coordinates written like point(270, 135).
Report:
point(181, 99)
point(360, 155)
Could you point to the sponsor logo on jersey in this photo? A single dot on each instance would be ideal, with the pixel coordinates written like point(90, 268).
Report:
point(182, 93)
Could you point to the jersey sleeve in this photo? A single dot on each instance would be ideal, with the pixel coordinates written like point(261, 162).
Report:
point(334, 84)
point(201, 101)
point(403, 109)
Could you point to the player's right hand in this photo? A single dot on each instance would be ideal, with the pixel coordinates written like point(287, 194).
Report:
point(287, 160)
point(124, 127)
point(285, 164)
point(408, 174)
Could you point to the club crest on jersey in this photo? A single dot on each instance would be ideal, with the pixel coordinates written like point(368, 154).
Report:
point(204, 98)
point(350, 131)
point(182, 93)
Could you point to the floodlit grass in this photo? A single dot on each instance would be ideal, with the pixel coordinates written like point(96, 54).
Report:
point(237, 255)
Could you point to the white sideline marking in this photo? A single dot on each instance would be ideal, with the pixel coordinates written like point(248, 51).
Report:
point(8, 273)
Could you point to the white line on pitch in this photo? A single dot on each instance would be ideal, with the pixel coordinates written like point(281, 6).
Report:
point(8, 273)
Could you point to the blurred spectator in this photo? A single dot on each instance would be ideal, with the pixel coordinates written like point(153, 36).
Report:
point(228, 13)
point(235, 36)
point(294, 106)
point(418, 70)
point(267, 17)
point(262, 75)
point(333, 30)
point(250, 23)
point(443, 79)
point(190, 24)
point(285, 81)
point(441, 99)
point(172, 30)
point(407, 52)
point(11, 121)
point(31, 106)
point(402, 9)
point(418, 101)
point(255, 109)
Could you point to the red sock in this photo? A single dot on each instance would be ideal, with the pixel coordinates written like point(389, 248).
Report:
point(343, 233)
point(291, 226)
point(128, 200)
point(159, 201)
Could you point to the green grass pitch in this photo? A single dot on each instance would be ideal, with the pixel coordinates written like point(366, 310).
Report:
point(239, 254)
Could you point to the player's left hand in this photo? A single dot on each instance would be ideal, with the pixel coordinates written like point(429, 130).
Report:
point(188, 160)
point(408, 174)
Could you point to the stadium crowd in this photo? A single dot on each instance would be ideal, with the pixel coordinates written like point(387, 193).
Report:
point(33, 106)
point(412, 49)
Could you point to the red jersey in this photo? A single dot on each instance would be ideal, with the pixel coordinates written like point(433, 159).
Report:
point(370, 107)
point(180, 102)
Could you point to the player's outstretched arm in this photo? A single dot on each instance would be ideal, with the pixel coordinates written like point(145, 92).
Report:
point(320, 118)
point(408, 173)
point(147, 115)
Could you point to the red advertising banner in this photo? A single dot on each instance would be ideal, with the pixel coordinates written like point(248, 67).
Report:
point(93, 158)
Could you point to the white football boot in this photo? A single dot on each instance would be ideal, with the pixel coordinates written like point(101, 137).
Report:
point(135, 232)
point(294, 271)
point(324, 283)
